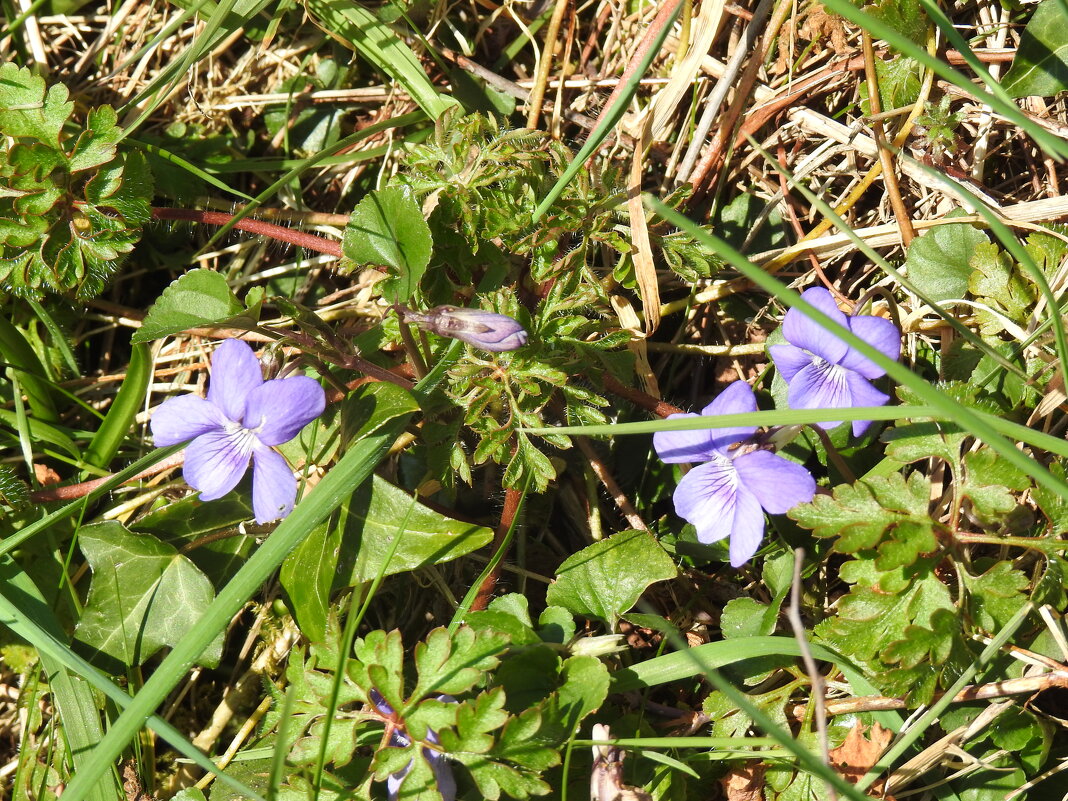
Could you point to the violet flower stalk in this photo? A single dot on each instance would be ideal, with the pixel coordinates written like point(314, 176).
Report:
point(823, 372)
point(487, 330)
point(242, 418)
point(727, 495)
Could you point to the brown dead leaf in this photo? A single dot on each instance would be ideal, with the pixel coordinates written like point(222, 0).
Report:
point(858, 753)
point(46, 476)
point(745, 782)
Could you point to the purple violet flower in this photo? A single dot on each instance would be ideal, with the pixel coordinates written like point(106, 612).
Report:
point(822, 371)
point(242, 418)
point(728, 494)
point(441, 768)
point(487, 330)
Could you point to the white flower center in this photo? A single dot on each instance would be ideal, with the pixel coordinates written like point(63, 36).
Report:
point(243, 439)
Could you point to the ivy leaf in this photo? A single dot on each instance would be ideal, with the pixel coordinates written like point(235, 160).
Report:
point(605, 579)
point(885, 512)
point(387, 230)
point(1040, 66)
point(144, 595)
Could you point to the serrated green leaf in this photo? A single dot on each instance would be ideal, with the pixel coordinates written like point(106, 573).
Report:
point(96, 144)
point(27, 110)
point(387, 230)
point(605, 579)
point(1040, 66)
point(1053, 506)
point(869, 514)
point(199, 298)
point(144, 595)
point(989, 483)
point(452, 664)
point(996, 595)
point(929, 657)
point(998, 283)
point(938, 262)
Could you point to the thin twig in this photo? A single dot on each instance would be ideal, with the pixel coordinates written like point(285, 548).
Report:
point(512, 498)
point(279, 232)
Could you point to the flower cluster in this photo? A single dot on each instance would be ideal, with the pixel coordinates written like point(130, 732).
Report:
point(738, 480)
point(242, 418)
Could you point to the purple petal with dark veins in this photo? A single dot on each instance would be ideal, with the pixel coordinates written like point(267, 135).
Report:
point(183, 418)
point(274, 489)
point(864, 394)
point(789, 361)
point(820, 386)
point(748, 528)
point(712, 498)
point(278, 409)
point(737, 398)
point(235, 372)
point(805, 333)
point(777, 483)
point(215, 462)
point(881, 334)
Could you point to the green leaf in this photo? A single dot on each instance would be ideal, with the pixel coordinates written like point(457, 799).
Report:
point(71, 207)
point(371, 521)
point(144, 595)
point(361, 31)
point(1053, 506)
point(387, 230)
point(27, 110)
point(996, 595)
point(885, 512)
point(452, 664)
point(197, 299)
point(606, 579)
point(1040, 66)
point(939, 262)
point(997, 282)
point(989, 483)
point(929, 658)
point(746, 617)
point(584, 688)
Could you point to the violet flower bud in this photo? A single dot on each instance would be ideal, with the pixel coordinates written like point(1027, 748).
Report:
point(487, 330)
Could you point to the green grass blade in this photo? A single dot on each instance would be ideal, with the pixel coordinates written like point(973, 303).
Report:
point(24, 610)
point(17, 353)
point(611, 118)
point(128, 402)
point(360, 30)
point(189, 167)
point(350, 471)
point(1049, 142)
point(969, 419)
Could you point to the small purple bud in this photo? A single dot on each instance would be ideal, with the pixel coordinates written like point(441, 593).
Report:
point(483, 329)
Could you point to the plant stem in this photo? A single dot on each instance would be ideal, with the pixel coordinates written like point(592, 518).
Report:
point(299, 238)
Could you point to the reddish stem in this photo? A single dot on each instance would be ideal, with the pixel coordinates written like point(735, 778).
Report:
point(512, 497)
point(280, 232)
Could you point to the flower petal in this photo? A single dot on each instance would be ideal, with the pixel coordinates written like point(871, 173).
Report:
point(278, 409)
point(789, 361)
point(215, 462)
point(821, 385)
point(881, 334)
point(235, 372)
point(674, 447)
point(706, 497)
point(864, 394)
point(183, 418)
point(777, 483)
point(737, 398)
point(274, 489)
point(443, 776)
point(747, 530)
point(805, 333)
